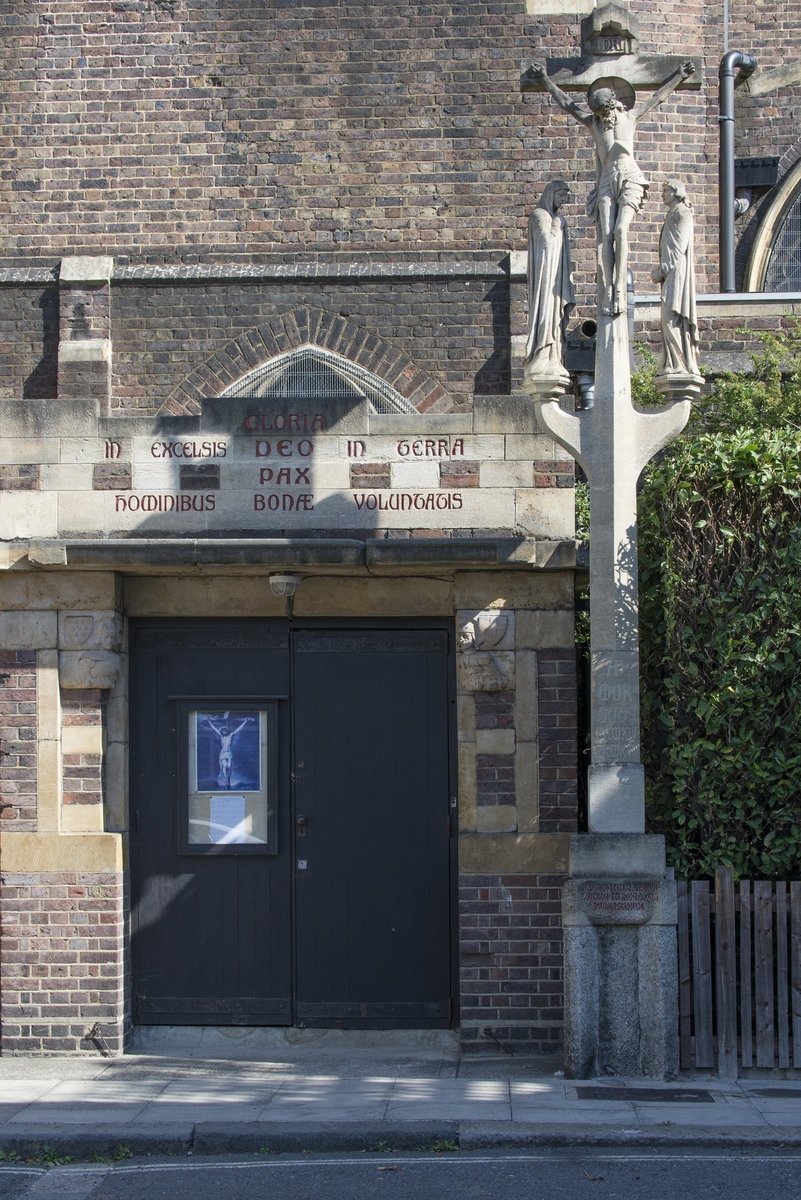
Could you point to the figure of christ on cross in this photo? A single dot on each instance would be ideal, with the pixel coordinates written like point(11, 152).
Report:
point(620, 185)
point(226, 735)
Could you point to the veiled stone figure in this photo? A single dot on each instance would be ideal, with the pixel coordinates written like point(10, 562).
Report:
point(676, 273)
point(551, 297)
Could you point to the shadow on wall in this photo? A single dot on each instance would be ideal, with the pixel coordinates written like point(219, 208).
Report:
point(495, 376)
point(42, 383)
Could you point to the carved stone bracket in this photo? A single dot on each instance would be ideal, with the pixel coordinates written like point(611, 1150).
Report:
point(486, 660)
point(88, 668)
point(679, 387)
point(483, 671)
point(545, 387)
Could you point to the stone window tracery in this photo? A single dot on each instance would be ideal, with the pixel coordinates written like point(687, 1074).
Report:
point(310, 373)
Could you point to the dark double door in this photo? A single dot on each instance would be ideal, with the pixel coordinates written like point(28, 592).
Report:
point(335, 908)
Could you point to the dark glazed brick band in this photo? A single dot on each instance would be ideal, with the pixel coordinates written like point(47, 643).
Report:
point(556, 698)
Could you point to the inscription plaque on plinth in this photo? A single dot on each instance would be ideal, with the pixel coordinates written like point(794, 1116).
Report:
point(617, 902)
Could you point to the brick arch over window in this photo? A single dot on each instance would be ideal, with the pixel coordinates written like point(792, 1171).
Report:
point(301, 327)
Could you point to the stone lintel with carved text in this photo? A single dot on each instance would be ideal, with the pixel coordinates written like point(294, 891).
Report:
point(249, 468)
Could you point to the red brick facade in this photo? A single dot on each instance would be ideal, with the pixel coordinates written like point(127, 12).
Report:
point(151, 130)
point(354, 177)
point(63, 962)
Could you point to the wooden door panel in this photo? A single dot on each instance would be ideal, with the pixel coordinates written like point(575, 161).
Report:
point(211, 933)
point(371, 776)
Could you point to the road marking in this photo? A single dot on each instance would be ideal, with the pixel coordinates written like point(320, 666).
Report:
point(463, 1158)
point(66, 1183)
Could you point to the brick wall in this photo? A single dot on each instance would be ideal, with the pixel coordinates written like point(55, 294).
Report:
point(162, 130)
point(454, 331)
point(495, 773)
point(556, 699)
point(63, 961)
point(160, 133)
point(768, 124)
point(511, 962)
point(82, 769)
point(28, 340)
point(18, 763)
point(727, 342)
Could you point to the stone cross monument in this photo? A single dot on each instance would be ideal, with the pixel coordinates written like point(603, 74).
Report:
point(619, 905)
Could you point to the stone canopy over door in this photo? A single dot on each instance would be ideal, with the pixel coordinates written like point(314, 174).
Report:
point(334, 909)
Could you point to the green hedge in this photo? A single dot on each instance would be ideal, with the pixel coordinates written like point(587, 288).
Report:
point(720, 611)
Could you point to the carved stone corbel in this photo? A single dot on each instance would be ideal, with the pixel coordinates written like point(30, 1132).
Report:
point(88, 649)
point(486, 660)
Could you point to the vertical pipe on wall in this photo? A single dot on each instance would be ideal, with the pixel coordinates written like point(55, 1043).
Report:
point(731, 62)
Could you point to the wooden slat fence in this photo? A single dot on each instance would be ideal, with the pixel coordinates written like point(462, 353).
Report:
point(739, 953)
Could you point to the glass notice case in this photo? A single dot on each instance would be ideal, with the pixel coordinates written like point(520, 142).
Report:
point(229, 771)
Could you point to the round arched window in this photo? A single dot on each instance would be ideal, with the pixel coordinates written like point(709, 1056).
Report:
point(784, 265)
point(775, 261)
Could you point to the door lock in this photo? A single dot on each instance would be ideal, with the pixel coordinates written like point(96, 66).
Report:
point(300, 824)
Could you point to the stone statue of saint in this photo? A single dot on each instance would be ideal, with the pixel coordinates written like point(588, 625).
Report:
point(676, 273)
point(551, 297)
point(620, 185)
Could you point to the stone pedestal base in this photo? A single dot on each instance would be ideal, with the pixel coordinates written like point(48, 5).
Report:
point(545, 387)
point(679, 387)
point(621, 990)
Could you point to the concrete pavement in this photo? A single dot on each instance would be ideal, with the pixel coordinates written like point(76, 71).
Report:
point(345, 1099)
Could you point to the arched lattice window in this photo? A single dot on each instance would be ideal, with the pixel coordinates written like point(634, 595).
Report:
point(784, 265)
point(310, 373)
point(774, 264)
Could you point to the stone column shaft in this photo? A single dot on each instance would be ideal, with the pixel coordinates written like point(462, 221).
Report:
point(613, 442)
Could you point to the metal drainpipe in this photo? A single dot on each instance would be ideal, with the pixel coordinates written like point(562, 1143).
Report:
point(729, 65)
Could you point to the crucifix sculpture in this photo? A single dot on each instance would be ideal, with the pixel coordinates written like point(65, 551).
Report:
point(619, 899)
point(620, 186)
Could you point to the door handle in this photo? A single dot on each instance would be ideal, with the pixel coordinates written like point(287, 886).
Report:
point(300, 825)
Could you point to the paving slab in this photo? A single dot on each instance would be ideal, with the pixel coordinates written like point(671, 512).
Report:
point(230, 1112)
point(327, 1098)
point(606, 1114)
point(716, 1116)
point(84, 1114)
point(25, 1090)
point(454, 1100)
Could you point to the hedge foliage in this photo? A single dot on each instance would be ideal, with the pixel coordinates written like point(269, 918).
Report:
point(720, 612)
